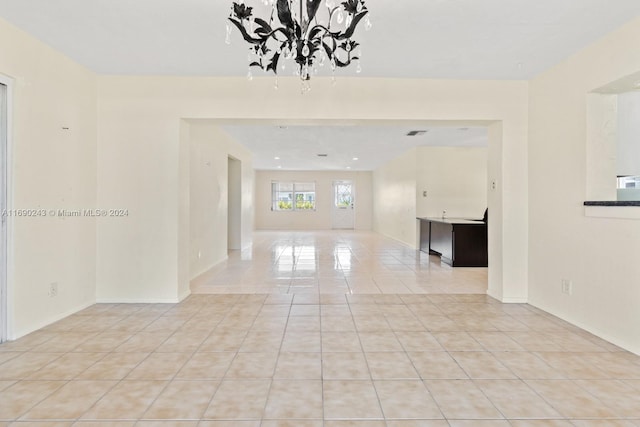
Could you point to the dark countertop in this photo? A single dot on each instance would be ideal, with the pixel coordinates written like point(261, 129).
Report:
point(613, 203)
point(454, 220)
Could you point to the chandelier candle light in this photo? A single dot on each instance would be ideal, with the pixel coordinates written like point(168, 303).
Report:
point(299, 36)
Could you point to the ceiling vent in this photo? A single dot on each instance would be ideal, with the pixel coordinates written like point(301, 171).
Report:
point(416, 132)
point(323, 155)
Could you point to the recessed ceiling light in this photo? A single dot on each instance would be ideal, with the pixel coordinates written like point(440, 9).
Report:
point(355, 158)
point(279, 167)
point(348, 167)
point(276, 158)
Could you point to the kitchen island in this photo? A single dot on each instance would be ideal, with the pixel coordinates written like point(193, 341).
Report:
point(458, 242)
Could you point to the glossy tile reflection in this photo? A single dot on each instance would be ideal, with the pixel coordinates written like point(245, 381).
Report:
point(336, 262)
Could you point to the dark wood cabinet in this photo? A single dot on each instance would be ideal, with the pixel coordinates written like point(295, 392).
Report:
point(459, 242)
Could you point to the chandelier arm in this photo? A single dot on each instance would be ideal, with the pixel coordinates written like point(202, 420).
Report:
point(263, 26)
point(342, 64)
point(320, 27)
point(330, 50)
point(276, 31)
point(318, 33)
point(245, 34)
point(348, 33)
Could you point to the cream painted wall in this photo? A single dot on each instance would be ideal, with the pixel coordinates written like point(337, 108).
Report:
point(320, 219)
point(455, 180)
point(157, 263)
point(599, 255)
point(140, 124)
point(137, 255)
point(52, 168)
point(210, 149)
point(394, 198)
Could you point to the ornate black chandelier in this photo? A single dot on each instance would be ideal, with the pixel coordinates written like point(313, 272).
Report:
point(300, 36)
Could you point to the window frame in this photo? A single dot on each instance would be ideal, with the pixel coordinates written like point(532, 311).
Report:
point(297, 188)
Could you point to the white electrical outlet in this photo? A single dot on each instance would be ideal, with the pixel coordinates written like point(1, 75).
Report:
point(53, 289)
point(567, 287)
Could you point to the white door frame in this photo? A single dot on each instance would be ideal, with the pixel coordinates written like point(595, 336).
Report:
point(6, 223)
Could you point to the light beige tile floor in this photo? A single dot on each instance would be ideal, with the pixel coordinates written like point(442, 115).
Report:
point(336, 263)
point(358, 342)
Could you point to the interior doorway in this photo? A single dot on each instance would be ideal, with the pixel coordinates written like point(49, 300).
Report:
point(343, 207)
point(4, 188)
point(234, 204)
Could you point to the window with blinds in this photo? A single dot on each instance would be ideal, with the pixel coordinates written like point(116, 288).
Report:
point(293, 196)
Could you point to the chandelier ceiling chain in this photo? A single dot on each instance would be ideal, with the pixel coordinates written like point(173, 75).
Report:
point(292, 34)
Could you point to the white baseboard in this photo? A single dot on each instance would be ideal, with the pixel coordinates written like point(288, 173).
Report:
point(494, 295)
point(209, 271)
point(409, 245)
point(45, 323)
point(507, 300)
point(138, 301)
point(184, 295)
point(595, 331)
point(515, 300)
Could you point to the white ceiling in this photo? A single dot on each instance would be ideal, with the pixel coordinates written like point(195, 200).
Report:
point(458, 39)
point(453, 39)
point(298, 146)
